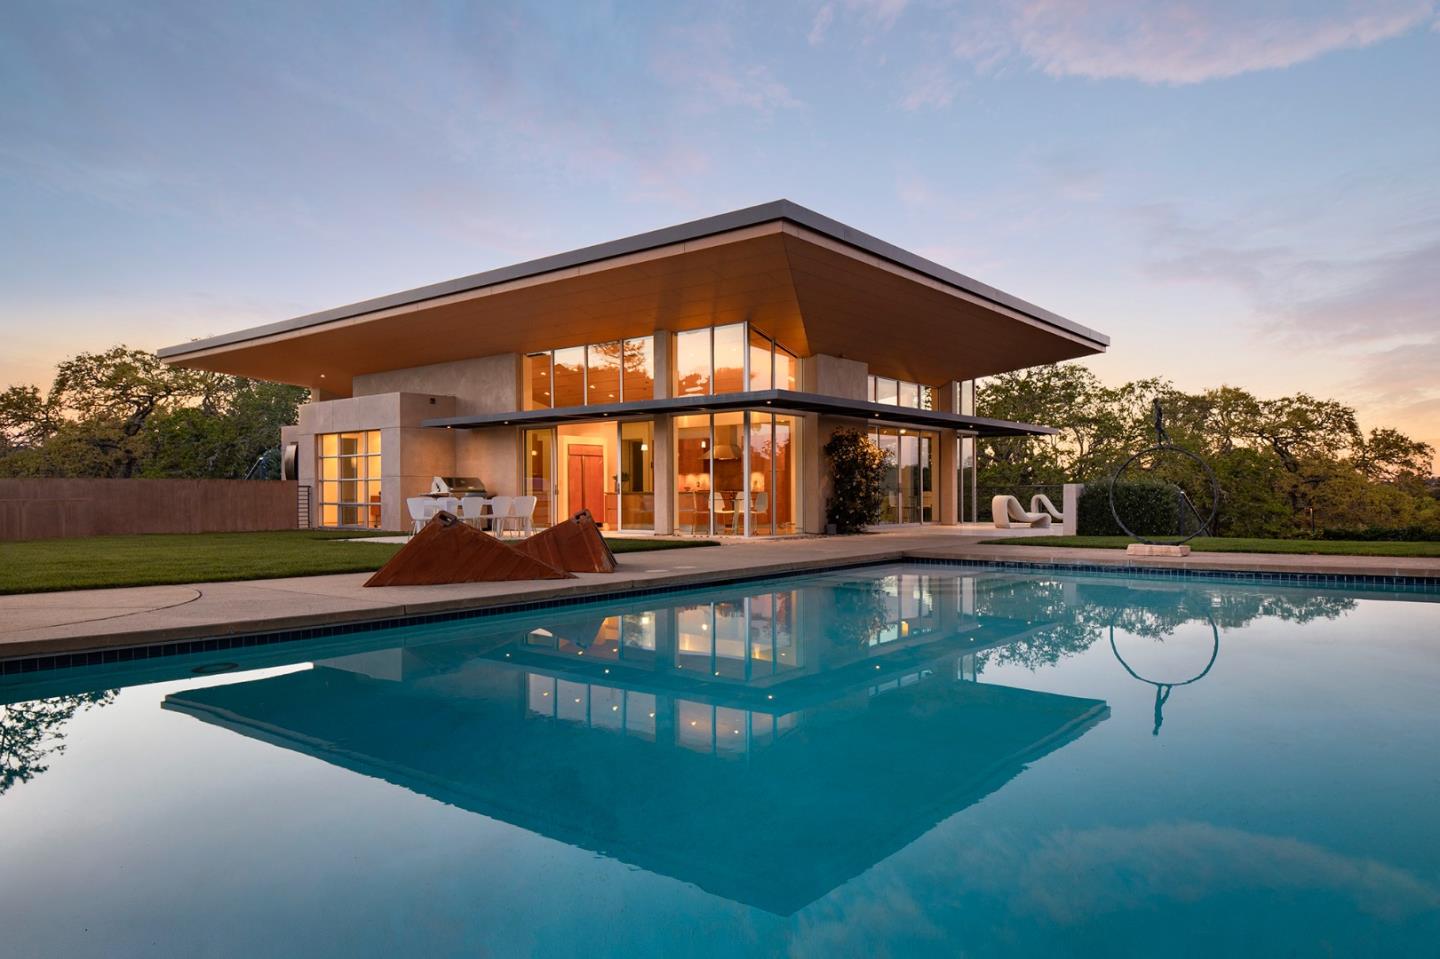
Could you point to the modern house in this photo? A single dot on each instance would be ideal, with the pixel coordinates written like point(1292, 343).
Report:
point(678, 381)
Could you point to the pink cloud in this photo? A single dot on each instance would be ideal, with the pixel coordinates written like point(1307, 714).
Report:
point(1179, 42)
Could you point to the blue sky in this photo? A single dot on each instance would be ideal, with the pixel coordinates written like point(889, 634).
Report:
point(1243, 193)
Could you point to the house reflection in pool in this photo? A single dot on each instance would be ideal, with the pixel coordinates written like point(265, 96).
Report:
point(759, 746)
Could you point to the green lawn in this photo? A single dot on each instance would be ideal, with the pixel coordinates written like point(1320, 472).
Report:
point(1221, 544)
point(47, 565)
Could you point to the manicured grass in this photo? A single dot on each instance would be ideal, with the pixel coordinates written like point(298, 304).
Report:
point(104, 561)
point(1222, 544)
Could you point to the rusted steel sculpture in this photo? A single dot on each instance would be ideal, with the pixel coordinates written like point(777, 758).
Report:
point(574, 545)
point(448, 551)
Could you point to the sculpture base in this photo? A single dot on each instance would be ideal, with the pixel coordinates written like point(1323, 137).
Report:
point(1156, 549)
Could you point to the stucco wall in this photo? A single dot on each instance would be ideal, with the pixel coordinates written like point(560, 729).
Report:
point(409, 453)
point(834, 376)
point(493, 455)
point(487, 384)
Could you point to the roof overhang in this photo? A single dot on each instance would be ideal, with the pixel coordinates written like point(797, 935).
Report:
point(815, 284)
point(781, 401)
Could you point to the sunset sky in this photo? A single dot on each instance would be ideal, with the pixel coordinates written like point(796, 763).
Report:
point(1243, 193)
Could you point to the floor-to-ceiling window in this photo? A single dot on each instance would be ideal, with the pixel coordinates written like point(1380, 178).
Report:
point(736, 473)
point(909, 475)
point(349, 471)
point(637, 475)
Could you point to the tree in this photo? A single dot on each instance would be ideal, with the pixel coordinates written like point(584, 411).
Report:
point(27, 419)
point(122, 413)
point(1283, 464)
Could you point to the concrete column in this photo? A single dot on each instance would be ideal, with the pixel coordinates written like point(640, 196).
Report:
point(948, 482)
point(664, 475)
point(1070, 508)
point(811, 461)
point(947, 399)
point(662, 364)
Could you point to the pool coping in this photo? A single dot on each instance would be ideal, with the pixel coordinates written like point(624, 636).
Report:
point(88, 649)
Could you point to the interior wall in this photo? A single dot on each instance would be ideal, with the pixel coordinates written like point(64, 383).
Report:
point(586, 434)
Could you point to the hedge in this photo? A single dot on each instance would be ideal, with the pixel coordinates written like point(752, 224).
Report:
point(1403, 534)
point(1149, 509)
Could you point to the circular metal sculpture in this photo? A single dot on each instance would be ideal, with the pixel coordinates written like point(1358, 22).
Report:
point(1164, 445)
point(1162, 690)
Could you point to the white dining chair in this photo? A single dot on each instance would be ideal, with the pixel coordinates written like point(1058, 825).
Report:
point(500, 507)
point(475, 510)
point(522, 514)
point(422, 509)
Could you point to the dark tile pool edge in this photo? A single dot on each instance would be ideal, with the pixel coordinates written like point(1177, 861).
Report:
point(1389, 582)
point(42, 662)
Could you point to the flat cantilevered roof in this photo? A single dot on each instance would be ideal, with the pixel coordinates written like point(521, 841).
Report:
point(781, 401)
point(814, 283)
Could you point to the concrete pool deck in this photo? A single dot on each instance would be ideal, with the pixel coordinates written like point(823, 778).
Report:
point(39, 624)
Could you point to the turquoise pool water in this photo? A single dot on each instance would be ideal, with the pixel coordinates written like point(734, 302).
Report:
point(901, 760)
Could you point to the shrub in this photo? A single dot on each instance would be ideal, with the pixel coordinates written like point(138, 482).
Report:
point(1149, 509)
point(857, 481)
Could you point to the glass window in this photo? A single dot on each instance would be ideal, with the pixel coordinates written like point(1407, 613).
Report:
point(569, 377)
point(761, 366)
point(785, 497)
point(886, 390)
point(637, 475)
point(727, 465)
point(785, 369)
point(349, 470)
point(602, 373)
point(762, 474)
point(539, 473)
point(729, 359)
point(692, 474)
point(692, 363)
point(967, 398)
point(910, 395)
point(536, 381)
point(639, 369)
point(927, 397)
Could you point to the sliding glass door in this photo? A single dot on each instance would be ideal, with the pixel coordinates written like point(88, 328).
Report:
point(910, 475)
point(605, 467)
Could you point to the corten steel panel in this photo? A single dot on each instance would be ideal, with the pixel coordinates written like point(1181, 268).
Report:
point(814, 284)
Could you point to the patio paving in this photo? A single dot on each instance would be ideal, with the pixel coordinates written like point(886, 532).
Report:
point(86, 620)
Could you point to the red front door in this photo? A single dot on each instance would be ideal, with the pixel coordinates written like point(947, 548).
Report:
point(586, 467)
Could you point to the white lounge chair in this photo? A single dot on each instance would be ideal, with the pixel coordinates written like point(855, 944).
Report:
point(1007, 512)
point(1040, 503)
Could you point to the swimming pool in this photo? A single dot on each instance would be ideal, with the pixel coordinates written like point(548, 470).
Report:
point(901, 760)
